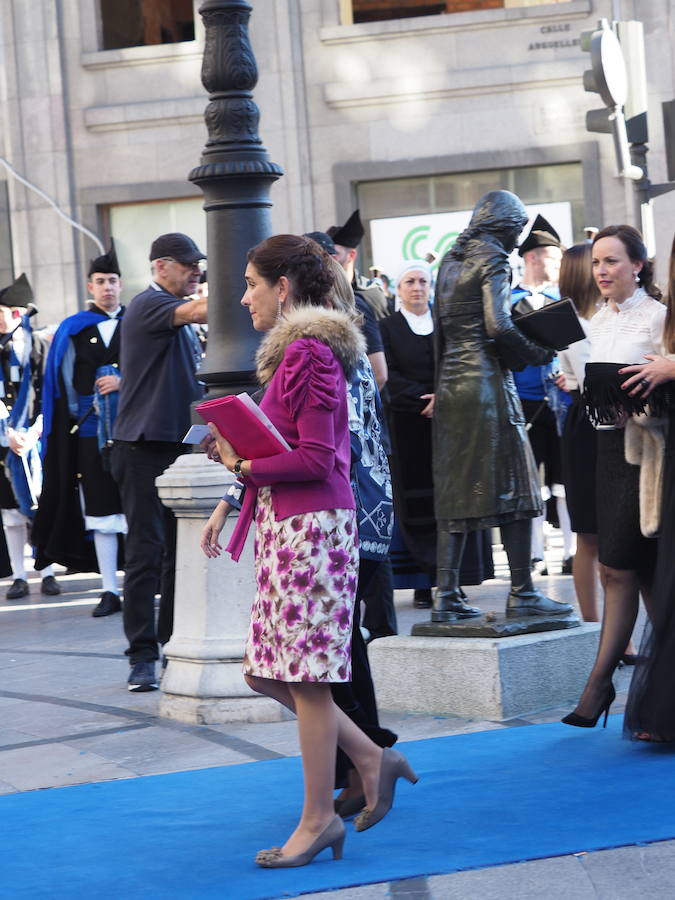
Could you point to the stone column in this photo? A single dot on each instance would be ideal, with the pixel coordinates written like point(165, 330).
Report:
point(203, 682)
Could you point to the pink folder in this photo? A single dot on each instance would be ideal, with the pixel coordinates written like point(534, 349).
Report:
point(250, 432)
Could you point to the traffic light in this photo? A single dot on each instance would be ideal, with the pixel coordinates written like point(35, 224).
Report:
point(631, 38)
point(607, 77)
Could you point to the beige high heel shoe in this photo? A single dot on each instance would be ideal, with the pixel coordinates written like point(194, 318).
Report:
point(394, 766)
point(332, 836)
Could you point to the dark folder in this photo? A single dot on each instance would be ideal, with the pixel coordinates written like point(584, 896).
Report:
point(555, 325)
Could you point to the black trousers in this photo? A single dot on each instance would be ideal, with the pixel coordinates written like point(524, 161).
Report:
point(150, 546)
point(378, 598)
point(357, 697)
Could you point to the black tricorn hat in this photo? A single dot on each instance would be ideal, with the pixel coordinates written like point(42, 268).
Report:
point(350, 234)
point(106, 264)
point(20, 293)
point(542, 234)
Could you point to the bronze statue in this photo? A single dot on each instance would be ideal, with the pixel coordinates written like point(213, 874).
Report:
point(484, 471)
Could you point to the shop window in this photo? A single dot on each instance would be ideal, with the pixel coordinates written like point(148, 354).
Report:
point(134, 226)
point(378, 10)
point(355, 11)
point(407, 217)
point(135, 23)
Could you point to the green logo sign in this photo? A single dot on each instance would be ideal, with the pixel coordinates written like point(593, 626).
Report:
point(412, 246)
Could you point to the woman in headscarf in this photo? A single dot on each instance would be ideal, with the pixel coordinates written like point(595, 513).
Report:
point(408, 342)
point(484, 471)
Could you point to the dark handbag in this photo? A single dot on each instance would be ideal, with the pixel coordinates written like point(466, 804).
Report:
point(606, 401)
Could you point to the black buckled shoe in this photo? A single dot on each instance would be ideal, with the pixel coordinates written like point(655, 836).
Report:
point(50, 586)
point(533, 603)
point(18, 589)
point(453, 602)
point(107, 605)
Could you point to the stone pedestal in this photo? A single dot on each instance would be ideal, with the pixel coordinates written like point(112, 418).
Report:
point(483, 678)
point(203, 682)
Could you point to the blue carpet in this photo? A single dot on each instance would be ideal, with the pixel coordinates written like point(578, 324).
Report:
point(482, 800)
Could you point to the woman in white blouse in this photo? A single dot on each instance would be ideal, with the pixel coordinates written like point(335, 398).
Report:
point(627, 328)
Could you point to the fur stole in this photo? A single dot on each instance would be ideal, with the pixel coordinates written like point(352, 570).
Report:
point(333, 328)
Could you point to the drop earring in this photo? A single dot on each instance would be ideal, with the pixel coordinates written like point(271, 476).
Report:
point(637, 278)
point(278, 308)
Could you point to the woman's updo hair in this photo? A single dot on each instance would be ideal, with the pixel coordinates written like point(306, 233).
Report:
point(635, 248)
point(302, 261)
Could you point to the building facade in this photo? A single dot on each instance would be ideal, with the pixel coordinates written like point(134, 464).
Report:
point(409, 110)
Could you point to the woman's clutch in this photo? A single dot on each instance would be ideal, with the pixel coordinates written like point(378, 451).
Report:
point(245, 426)
point(556, 325)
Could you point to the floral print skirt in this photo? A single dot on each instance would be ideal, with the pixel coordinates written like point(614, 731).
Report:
point(306, 573)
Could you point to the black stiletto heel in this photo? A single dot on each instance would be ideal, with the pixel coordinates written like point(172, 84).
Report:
point(590, 722)
point(628, 659)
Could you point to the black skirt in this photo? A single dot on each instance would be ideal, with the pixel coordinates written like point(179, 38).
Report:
point(579, 451)
point(621, 544)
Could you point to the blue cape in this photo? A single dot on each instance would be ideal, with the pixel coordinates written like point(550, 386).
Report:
point(50, 385)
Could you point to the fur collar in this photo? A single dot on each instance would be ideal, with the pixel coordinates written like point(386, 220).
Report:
point(333, 328)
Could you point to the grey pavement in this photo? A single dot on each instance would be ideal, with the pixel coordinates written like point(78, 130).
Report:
point(67, 718)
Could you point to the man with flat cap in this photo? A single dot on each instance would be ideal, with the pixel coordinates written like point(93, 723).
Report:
point(22, 361)
point(544, 405)
point(159, 360)
point(79, 522)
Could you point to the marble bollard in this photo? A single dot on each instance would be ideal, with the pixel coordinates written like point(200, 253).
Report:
point(203, 681)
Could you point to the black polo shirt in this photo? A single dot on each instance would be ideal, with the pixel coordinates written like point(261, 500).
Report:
point(158, 364)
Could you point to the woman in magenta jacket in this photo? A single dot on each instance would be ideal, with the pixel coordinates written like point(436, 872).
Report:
point(306, 544)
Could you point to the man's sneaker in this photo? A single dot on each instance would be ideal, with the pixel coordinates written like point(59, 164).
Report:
point(18, 589)
point(50, 586)
point(142, 677)
point(107, 605)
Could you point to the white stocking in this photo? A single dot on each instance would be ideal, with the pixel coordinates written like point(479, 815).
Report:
point(106, 554)
point(538, 537)
point(569, 543)
point(15, 535)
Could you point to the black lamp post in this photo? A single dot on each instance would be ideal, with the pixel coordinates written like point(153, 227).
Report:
point(235, 176)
